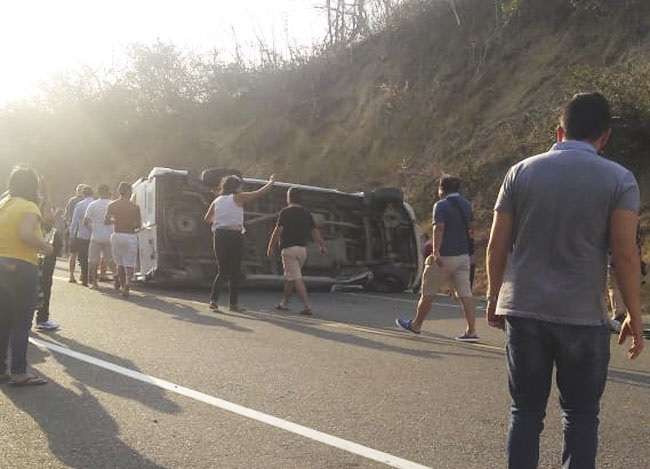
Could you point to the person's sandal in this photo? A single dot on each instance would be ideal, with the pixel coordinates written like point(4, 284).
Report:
point(29, 381)
point(306, 312)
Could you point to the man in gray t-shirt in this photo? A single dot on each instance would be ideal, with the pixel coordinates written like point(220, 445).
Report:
point(556, 217)
point(562, 201)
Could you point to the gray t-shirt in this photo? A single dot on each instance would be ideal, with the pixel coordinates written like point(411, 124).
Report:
point(561, 202)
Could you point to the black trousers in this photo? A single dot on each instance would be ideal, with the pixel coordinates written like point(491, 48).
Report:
point(47, 272)
point(228, 247)
point(82, 257)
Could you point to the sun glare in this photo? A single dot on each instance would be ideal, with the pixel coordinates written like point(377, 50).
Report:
point(41, 38)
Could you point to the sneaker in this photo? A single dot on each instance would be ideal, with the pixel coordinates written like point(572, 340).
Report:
point(406, 324)
point(48, 325)
point(471, 338)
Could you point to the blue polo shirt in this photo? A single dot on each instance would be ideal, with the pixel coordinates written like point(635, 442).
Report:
point(454, 238)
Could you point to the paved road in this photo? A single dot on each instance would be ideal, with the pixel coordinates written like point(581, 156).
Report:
point(359, 390)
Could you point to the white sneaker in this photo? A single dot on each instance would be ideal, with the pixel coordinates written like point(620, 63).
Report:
point(47, 326)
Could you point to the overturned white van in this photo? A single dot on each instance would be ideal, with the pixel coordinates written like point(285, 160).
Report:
point(372, 237)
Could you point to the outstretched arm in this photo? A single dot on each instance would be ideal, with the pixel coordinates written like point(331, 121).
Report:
point(243, 198)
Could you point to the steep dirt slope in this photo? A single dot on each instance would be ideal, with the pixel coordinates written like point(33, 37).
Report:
point(430, 96)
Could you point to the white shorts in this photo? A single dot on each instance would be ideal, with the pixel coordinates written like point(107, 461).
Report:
point(454, 272)
point(125, 249)
point(293, 260)
point(97, 249)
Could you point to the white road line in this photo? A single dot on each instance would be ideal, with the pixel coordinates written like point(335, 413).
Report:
point(330, 440)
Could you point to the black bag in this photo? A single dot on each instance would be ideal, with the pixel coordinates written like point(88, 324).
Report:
point(470, 240)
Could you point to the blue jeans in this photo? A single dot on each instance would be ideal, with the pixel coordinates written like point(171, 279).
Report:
point(18, 289)
point(581, 357)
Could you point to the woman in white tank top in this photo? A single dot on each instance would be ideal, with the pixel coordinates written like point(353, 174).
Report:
point(226, 215)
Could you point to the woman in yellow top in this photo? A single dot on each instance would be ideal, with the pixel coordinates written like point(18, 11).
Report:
point(21, 241)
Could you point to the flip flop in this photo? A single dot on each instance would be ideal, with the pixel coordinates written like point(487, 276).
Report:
point(31, 381)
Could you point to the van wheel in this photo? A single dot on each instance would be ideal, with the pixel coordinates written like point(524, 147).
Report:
point(384, 196)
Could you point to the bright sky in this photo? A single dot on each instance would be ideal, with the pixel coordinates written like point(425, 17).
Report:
point(40, 38)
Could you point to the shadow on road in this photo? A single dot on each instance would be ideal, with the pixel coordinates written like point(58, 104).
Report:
point(315, 329)
point(80, 431)
point(106, 381)
point(179, 311)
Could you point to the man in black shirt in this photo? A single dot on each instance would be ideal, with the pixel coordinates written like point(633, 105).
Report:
point(294, 229)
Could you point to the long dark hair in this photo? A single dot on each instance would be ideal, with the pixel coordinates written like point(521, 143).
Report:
point(230, 185)
point(23, 183)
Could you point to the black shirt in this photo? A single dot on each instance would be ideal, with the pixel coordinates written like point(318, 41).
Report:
point(297, 224)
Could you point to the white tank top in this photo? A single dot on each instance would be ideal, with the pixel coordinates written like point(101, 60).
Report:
point(227, 214)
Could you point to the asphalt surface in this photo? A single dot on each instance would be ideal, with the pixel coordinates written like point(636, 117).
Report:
point(347, 372)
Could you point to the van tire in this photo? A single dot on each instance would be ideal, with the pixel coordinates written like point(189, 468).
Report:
point(212, 177)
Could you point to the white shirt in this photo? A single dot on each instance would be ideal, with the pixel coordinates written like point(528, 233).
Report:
point(96, 213)
point(77, 227)
point(226, 213)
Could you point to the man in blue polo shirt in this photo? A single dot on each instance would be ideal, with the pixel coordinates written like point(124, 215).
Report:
point(450, 261)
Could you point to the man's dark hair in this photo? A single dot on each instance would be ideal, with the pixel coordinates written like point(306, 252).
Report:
point(294, 195)
point(449, 184)
point(230, 185)
point(124, 189)
point(104, 191)
point(23, 183)
point(586, 117)
point(88, 191)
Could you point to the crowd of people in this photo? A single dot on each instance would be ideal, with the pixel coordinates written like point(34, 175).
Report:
point(561, 219)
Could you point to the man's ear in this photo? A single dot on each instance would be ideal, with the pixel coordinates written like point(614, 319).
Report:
point(560, 134)
point(602, 141)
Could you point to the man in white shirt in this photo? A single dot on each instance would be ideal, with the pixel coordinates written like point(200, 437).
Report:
point(80, 233)
point(100, 238)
